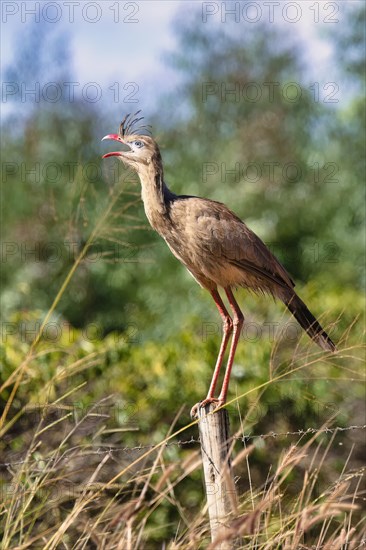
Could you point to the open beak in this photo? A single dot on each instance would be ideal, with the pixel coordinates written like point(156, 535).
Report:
point(115, 137)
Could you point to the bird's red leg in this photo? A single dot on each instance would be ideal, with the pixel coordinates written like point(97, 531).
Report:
point(227, 325)
point(238, 320)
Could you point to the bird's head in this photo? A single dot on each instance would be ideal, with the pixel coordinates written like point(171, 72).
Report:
point(140, 150)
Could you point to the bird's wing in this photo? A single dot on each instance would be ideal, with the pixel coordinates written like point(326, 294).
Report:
point(226, 236)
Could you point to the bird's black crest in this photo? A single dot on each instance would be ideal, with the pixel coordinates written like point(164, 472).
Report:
point(128, 125)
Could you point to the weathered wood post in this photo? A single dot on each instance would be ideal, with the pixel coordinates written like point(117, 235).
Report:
point(219, 479)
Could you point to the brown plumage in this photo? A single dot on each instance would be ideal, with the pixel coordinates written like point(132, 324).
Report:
point(216, 246)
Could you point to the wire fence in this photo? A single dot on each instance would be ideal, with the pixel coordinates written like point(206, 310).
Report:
point(108, 449)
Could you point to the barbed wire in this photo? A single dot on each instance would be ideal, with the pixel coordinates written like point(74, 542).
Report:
point(102, 450)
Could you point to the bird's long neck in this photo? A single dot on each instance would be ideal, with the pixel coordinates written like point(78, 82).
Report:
point(156, 195)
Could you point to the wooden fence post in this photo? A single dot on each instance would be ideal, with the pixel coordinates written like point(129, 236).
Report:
point(219, 479)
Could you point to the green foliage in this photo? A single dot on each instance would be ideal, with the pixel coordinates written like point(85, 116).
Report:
point(85, 395)
point(298, 182)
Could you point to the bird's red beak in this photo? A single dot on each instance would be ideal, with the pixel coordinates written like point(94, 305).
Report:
point(115, 137)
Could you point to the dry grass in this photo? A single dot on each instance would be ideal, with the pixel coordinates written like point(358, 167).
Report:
point(77, 498)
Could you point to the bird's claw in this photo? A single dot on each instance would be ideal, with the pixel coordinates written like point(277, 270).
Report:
point(201, 404)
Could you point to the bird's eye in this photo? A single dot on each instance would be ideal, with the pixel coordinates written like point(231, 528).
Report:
point(138, 144)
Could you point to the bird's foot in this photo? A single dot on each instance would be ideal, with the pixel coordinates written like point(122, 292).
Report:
point(218, 403)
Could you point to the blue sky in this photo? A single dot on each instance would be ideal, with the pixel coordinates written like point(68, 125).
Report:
point(126, 42)
point(113, 49)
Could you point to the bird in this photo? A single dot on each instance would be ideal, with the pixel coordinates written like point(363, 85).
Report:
point(218, 249)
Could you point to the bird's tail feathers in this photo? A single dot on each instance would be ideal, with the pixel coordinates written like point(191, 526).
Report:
point(309, 323)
